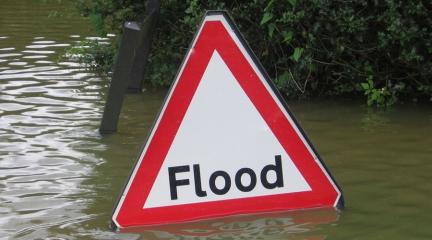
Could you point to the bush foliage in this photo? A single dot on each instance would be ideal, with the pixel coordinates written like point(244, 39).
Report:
point(379, 48)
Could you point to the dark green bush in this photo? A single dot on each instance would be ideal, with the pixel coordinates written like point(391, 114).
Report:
point(310, 48)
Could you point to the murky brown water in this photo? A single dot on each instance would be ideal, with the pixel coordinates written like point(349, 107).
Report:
point(59, 178)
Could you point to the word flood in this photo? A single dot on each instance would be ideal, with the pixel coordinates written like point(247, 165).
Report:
point(221, 190)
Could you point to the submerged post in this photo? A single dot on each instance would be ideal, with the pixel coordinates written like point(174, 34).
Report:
point(143, 45)
point(119, 81)
point(130, 65)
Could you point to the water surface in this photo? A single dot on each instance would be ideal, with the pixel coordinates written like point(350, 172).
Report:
point(59, 178)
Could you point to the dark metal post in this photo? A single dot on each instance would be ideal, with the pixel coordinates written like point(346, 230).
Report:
point(143, 46)
point(130, 65)
point(119, 82)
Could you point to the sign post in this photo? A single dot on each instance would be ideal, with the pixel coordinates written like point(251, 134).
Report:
point(224, 143)
point(130, 65)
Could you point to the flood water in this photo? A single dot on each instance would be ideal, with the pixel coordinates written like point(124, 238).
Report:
point(59, 178)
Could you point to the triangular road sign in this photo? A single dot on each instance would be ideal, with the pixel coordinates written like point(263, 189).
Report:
point(224, 143)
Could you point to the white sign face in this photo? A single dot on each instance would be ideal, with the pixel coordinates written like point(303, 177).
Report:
point(222, 131)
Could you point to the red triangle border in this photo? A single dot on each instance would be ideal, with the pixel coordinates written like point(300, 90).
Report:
point(215, 35)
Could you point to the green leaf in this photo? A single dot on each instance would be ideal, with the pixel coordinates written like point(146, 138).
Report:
point(282, 80)
point(271, 28)
point(269, 5)
point(284, 77)
point(287, 36)
point(267, 17)
point(297, 54)
point(365, 86)
point(188, 10)
point(293, 2)
point(375, 95)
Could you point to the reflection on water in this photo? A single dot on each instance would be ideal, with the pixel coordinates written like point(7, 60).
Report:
point(48, 114)
point(60, 179)
point(288, 225)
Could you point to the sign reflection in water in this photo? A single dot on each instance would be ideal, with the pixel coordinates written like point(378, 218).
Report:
point(286, 225)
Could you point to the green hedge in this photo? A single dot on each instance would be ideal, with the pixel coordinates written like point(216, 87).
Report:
point(381, 49)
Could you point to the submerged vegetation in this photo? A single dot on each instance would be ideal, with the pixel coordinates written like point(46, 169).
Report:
point(95, 55)
point(319, 48)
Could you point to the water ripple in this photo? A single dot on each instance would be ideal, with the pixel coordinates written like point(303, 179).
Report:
point(49, 114)
point(7, 49)
point(47, 46)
